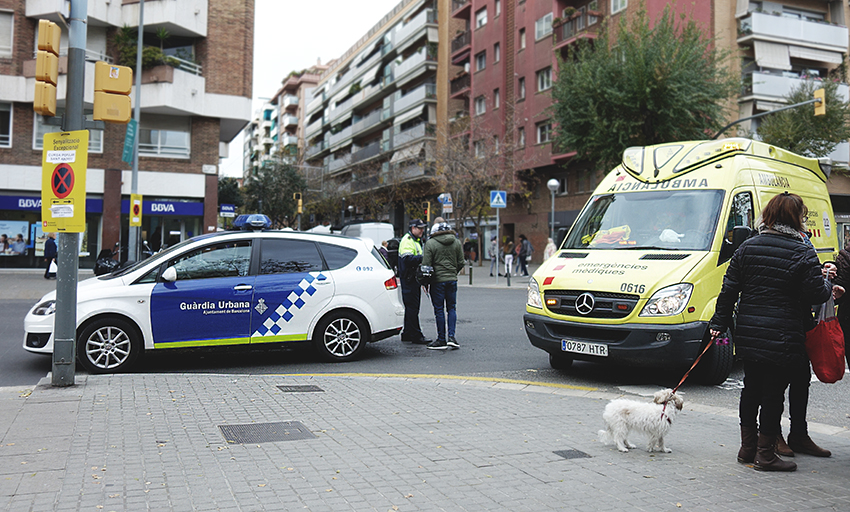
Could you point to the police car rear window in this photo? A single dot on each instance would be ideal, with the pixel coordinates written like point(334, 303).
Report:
point(337, 256)
point(279, 256)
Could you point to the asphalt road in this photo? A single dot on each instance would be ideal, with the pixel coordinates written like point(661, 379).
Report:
point(493, 344)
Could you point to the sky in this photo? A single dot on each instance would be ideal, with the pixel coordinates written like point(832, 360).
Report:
point(291, 34)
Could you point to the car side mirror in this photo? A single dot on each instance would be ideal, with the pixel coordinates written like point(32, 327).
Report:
point(169, 275)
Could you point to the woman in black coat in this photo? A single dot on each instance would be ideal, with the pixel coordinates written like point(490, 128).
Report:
point(777, 277)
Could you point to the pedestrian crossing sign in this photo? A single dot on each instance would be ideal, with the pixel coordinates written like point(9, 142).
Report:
point(498, 199)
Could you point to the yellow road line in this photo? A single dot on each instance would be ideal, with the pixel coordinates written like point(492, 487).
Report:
point(430, 376)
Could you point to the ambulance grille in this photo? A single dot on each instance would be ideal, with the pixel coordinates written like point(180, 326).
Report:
point(605, 303)
point(664, 256)
point(573, 255)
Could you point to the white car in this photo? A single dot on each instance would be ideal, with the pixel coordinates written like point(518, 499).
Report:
point(232, 288)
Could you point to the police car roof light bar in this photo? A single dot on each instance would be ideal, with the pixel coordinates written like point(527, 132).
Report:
point(252, 222)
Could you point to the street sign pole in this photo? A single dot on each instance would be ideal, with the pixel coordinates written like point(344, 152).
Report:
point(68, 254)
point(133, 245)
point(498, 246)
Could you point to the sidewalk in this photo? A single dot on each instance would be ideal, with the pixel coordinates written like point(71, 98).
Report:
point(156, 442)
point(481, 277)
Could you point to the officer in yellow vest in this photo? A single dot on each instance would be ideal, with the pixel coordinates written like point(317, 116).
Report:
point(409, 258)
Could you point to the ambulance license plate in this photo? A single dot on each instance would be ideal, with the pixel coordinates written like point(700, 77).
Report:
point(580, 347)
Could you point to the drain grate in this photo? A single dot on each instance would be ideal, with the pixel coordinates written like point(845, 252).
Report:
point(265, 432)
point(301, 389)
point(571, 454)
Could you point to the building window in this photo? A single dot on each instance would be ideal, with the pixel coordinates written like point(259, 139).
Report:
point(496, 143)
point(95, 136)
point(496, 98)
point(522, 39)
point(498, 7)
point(521, 137)
point(6, 19)
point(481, 61)
point(5, 125)
point(562, 185)
point(543, 27)
point(592, 6)
point(544, 79)
point(478, 146)
point(618, 5)
point(544, 132)
point(481, 17)
point(480, 105)
point(521, 88)
point(166, 136)
point(497, 52)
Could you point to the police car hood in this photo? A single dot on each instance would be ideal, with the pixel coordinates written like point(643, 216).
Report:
point(87, 287)
point(617, 271)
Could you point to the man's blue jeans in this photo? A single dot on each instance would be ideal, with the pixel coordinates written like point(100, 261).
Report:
point(445, 295)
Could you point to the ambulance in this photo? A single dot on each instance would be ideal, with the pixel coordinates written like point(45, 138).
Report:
point(636, 279)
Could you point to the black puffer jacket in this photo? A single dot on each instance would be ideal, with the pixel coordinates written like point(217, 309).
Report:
point(778, 278)
point(843, 279)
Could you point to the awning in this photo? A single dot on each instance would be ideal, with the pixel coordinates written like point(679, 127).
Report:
point(769, 105)
point(800, 52)
point(407, 116)
point(742, 8)
point(772, 55)
point(407, 153)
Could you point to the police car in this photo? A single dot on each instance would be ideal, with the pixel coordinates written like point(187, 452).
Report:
point(232, 288)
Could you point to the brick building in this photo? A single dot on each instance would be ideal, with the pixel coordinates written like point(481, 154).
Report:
point(190, 110)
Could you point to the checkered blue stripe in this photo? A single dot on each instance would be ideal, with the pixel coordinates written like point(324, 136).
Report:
point(275, 318)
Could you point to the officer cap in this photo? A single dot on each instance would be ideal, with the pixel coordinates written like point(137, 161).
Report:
point(418, 223)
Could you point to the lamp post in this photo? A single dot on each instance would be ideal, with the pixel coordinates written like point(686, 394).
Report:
point(552, 185)
point(342, 214)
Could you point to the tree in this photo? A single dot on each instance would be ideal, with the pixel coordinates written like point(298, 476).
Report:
point(800, 131)
point(229, 192)
point(652, 84)
point(270, 192)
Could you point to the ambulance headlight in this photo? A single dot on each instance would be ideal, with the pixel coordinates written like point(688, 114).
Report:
point(45, 308)
point(668, 301)
point(533, 299)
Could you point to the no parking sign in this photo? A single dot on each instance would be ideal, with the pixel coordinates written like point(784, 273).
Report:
point(63, 186)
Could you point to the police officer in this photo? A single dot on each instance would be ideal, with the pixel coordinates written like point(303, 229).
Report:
point(409, 258)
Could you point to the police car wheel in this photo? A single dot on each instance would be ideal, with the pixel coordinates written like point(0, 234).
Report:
point(560, 361)
point(341, 336)
point(108, 345)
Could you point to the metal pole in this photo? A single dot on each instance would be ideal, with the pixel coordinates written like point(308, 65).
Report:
point(68, 254)
point(552, 231)
point(133, 245)
point(498, 247)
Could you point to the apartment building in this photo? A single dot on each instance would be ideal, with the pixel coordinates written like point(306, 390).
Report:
point(192, 106)
point(371, 121)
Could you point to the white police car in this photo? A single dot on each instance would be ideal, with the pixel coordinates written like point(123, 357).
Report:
point(232, 288)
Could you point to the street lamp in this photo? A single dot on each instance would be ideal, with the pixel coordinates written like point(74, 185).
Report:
point(553, 185)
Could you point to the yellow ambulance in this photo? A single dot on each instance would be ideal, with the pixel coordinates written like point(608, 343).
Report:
point(636, 279)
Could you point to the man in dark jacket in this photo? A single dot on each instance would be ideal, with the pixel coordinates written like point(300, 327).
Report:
point(409, 258)
point(444, 253)
point(50, 252)
point(524, 253)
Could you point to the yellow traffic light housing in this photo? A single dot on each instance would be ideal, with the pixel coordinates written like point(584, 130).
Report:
point(112, 86)
point(427, 207)
point(297, 197)
point(46, 68)
point(820, 106)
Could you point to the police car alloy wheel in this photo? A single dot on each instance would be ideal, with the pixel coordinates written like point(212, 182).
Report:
point(341, 336)
point(108, 345)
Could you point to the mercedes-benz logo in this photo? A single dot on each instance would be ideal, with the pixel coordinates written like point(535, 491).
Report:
point(584, 303)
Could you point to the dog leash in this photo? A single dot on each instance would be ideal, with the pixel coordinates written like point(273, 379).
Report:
point(714, 341)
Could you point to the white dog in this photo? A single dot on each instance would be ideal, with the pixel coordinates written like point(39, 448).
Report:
point(654, 419)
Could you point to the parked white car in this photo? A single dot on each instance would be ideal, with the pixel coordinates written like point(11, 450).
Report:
point(232, 288)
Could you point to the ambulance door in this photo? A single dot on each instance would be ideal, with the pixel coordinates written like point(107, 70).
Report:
point(209, 302)
point(291, 289)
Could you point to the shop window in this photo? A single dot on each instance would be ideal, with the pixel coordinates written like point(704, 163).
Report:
point(41, 127)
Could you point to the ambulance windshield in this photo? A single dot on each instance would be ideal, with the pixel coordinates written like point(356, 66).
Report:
point(675, 220)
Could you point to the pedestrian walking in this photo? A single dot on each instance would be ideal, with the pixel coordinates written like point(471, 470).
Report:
point(409, 258)
point(774, 278)
point(493, 252)
point(524, 253)
point(50, 252)
point(443, 252)
point(508, 250)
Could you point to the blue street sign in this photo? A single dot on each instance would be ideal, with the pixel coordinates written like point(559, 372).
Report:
point(498, 199)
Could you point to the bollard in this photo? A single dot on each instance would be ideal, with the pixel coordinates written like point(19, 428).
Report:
point(470, 272)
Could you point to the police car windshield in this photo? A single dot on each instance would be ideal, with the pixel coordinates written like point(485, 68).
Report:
point(155, 258)
point(658, 220)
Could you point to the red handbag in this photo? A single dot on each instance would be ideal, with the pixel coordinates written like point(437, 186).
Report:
point(825, 346)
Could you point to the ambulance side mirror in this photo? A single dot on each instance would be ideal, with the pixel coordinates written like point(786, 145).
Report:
point(169, 275)
point(739, 235)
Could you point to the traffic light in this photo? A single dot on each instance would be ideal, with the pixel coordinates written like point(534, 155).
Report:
point(112, 86)
point(297, 197)
point(46, 68)
point(820, 106)
point(426, 206)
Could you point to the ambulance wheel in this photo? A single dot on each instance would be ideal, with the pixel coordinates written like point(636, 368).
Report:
point(341, 336)
point(108, 345)
point(560, 361)
point(716, 364)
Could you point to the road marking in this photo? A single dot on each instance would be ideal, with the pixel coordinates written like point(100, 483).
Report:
point(430, 376)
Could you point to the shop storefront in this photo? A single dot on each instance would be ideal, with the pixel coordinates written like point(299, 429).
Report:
point(165, 223)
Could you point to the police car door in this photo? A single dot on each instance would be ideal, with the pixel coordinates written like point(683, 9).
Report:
point(291, 289)
point(210, 301)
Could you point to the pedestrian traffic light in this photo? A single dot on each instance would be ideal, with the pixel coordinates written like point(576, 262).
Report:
point(112, 85)
point(46, 68)
point(426, 206)
point(820, 106)
point(297, 197)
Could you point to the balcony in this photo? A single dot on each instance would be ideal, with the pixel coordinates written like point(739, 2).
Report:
point(342, 108)
point(362, 184)
point(417, 132)
point(290, 101)
point(461, 8)
point(316, 149)
point(461, 84)
point(763, 26)
point(338, 163)
point(288, 140)
point(412, 63)
point(366, 152)
point(289, 120)
point(427, 16)
point(367, 93)
point(418, 95)
point(187, 18)
point(776, 86)
point(340, 136)
point(367, 122)
point(315, 104)
point(461, 41)
point(584, 25)
point(313, 128)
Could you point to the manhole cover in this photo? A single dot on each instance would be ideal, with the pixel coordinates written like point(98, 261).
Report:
point(265, 432)
point(571, 454)
point(301, 389)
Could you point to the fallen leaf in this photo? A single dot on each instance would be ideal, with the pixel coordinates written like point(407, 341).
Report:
point(99, 506)
point(261, 485)
point(679, 505)
point(114, 495)
point(408, 495)
point(648, 476)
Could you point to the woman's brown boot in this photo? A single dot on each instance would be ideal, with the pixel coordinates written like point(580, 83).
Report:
point(804, 444)
point(766, 458)
point(749, 442)
point(782, 447)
